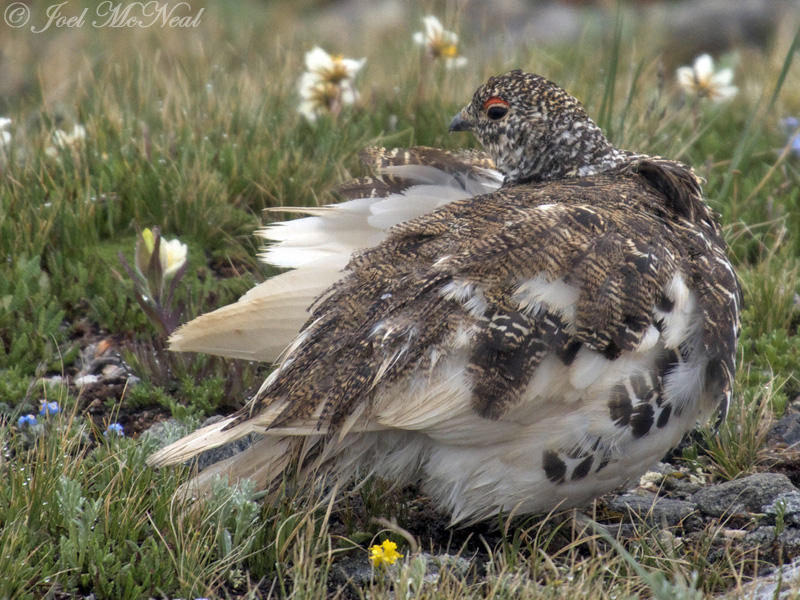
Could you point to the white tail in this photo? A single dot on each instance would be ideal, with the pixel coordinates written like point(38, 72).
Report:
point(262, 462)
point(266, 319)
point(199, 441)
point(263, 321)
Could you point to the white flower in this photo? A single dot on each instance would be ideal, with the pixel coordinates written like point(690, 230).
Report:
point(308, 109)
point(702, 81)
point(62, 139)
point(332, 68)
point(172, 256)
point(328, 84)
point(439, 43)
point(5, 136)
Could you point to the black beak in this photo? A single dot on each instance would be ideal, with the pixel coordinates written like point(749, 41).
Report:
point(459, 124)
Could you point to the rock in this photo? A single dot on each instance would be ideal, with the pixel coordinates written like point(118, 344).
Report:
point(780, 585)
point(747, 495)
point(418, 570)
point(166, 432)
point(435, 563)
point(787, 503)
point(620, 530)
point(113, 372)
point(774, 545)
point(171, 430)
point(83, 380)
point(786, 431)
point(675, 481)
point(353, 570)
point(102, 362)
point(209, 457)
point(655, 509)
point(682, 486)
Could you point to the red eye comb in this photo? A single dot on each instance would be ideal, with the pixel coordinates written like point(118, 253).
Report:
point(493, 101)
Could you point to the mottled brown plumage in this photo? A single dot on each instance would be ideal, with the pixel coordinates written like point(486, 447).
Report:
point(598, 234)
point(519, 349)
point(383, 181)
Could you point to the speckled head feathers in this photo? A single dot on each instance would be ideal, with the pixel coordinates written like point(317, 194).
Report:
point(534, 130)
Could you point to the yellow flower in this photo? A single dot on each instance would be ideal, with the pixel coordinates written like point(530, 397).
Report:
point(149, 240)
point(450, 51)
point(171, 253)
point(144, 250)
point(328, 83)
point(333, 68)
point(439, 43)
point(384, 554)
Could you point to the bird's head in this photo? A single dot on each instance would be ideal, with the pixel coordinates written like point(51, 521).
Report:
point(534, 130)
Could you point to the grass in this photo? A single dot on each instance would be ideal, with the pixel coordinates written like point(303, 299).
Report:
point(196, 133)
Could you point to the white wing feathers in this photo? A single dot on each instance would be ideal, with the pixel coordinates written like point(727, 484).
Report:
point(265, 320)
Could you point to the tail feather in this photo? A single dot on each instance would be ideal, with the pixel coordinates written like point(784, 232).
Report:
point(263, 462)
point(266, 319)
point(262, 323)
point(203, 439)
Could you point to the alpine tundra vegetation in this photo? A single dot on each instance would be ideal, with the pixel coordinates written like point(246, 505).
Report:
point(482, 377)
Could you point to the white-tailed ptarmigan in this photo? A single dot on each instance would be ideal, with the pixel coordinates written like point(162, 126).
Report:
point(517, 331)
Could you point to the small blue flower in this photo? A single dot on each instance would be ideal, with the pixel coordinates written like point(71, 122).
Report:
point(795, 144)
point(790, 125)
point(26, 420)
point(114, 429)
point(49, 408)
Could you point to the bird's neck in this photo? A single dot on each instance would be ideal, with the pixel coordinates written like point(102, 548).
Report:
point(577, 150)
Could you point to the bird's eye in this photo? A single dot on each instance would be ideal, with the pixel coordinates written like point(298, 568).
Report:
point(498, 111)
point(496, 108)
